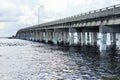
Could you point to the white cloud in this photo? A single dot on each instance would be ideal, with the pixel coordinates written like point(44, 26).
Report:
point(6, 4)
point(28, 16)
point(2, 25)
point(16, 14)
point(115, 1)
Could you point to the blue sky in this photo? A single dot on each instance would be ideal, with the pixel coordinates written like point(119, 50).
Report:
point(17, 14)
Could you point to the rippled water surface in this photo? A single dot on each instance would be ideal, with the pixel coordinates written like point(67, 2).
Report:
point(25, 60)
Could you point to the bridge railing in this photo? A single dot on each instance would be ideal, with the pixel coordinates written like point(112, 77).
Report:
point(112, 10)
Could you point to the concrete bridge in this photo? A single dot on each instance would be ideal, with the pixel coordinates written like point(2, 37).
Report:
point(87, 26)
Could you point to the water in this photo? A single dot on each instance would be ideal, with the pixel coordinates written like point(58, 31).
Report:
point(25, 60)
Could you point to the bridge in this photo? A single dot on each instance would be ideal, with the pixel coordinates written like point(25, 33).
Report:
point(87, 26)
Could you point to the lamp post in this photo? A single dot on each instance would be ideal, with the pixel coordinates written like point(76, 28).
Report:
point(38, 13)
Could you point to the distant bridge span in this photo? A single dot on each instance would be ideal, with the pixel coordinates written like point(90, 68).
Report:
point(86, 25)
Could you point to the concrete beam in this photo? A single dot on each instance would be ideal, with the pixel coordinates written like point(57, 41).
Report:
point(109, 29)
point(90, 29)
point(61, 30)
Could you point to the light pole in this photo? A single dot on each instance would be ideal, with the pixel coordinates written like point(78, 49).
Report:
point(38, 13)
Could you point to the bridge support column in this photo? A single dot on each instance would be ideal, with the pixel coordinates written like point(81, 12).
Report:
point(55, 37)
point(88, 38)
point(65, 38)
point(71, 36)
point(83, 38)
point(33, 36)
point(79, 38)
point(37, 36)
point(30, 35)
point(50, 37)
point(41, 36)
point(103, 45)
point(68, 38)
point(59, 37)
point(62, 38)
point(113, 40)
point(25, 37)
point(71, 43)
point(94, 38)
point(46, 37)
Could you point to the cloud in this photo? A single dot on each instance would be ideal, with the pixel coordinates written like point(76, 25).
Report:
point(28, 16)
point(2, 25)
point(17, 14)
point(115, 1)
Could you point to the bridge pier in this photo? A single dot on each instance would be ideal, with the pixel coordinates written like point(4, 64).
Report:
point(94, 38)
point(60, 36)
point(71, 36)
point(88, 38)
point(37, 35)
point(66, 38)
point(59, 41)
point(113, 41)
point(79, 38)
point(41, 37)
point(29, 35)
point(50, 40)
point(25, 35)
point(55, 37)
point(38, 39)
point(32, 36)
point(103, 45)
point(83, 39)
point(113, 38)
point(46, 37)
point(71, 43)
point(112, 30)
point(51, 37)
